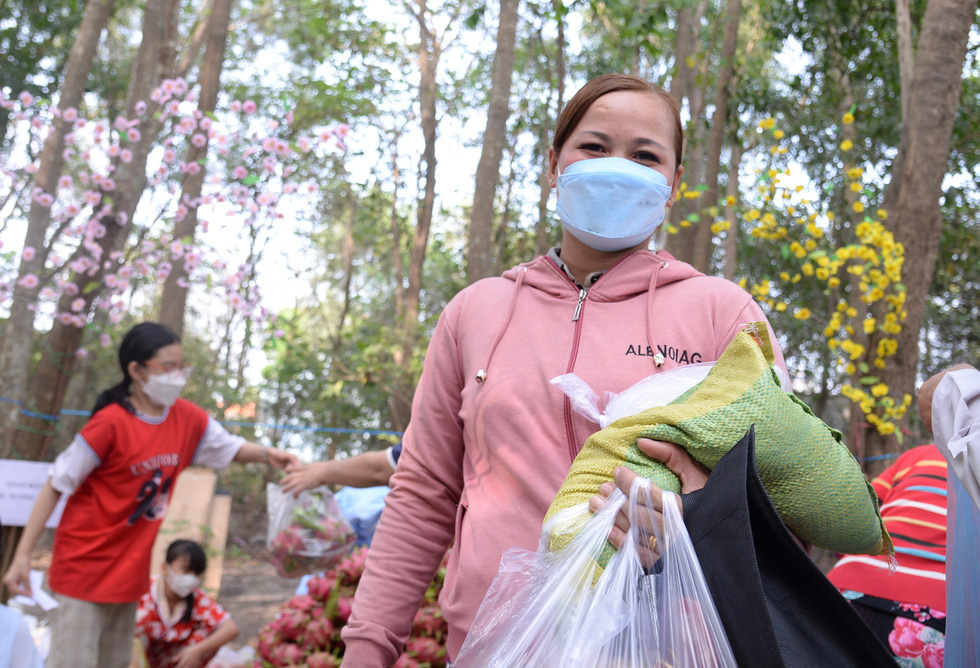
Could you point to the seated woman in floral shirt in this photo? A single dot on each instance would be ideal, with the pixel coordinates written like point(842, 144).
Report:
point(178, 625)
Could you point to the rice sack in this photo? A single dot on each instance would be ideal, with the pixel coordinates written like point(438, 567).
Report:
point(813, 480)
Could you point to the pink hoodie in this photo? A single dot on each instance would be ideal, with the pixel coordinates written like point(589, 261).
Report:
point(482, 461)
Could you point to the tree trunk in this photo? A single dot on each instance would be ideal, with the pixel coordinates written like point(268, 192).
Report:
point(906, 55)
point(15, 350)
point(684, 86)
point(478, 250)
point(45, 395)
point(429, 53)
point(731, 214)
point(544, 132)
point(704, 244)
point(174, 300)
point(912, 198)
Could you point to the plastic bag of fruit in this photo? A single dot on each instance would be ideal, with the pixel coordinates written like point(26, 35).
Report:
point(307, 533)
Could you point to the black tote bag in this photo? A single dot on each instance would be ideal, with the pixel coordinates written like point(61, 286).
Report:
point(778, 609)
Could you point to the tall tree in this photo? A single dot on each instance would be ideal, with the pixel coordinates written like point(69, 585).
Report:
point(478, 249)
point(432, 43)
point(912, 198)
point(15, 350)
point(719, 122)
point(174, 300)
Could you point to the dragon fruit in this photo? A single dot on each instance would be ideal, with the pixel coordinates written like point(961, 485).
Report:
point(310, 624)
point(307, 533)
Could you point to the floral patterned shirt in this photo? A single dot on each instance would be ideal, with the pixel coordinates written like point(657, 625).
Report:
point(163, 635)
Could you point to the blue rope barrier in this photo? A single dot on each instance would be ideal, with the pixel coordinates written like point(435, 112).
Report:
point(226, 423)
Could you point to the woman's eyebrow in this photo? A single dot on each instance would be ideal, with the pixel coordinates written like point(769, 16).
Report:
point(639, 141)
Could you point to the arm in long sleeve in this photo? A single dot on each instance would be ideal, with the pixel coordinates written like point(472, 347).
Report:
point(418, 522)
point(956, 426)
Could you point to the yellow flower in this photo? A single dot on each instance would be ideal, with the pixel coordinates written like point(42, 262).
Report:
point(869, 325)
point(886, 428)
point(834, 282)
point(778, 134)
point(856, 187)
point(692, 194)
point(847, 119)
point(850, 369)
point(780, 307)
point(672, 229)
point(879, 390)
point(881, 213)
point(854, 173)
point(846, 145)
point(767, 124)
point(858, 207)
point(802, 314)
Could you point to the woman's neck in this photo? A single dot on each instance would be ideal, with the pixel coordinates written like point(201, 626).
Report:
point(581, 260)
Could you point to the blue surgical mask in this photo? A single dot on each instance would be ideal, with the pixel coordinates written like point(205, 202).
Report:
point(611, 204)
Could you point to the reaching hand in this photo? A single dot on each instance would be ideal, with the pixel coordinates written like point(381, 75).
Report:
point(280, 459)
point(301, 477)
point(928, 389)
point(18, 578)
point(691, 474)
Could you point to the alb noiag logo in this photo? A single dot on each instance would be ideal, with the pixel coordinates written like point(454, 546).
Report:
point(671, 353)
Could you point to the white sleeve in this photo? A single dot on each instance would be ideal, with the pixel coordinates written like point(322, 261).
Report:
point(73, 466)
point(956, 426)
point(217, 447)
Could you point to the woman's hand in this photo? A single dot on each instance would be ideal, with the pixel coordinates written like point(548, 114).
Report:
point(191, 656)
point(18, 577)
point(691, 474)
point(301, 477)
point(280, 459)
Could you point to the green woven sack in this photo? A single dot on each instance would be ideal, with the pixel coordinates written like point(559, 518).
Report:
point(813, 481)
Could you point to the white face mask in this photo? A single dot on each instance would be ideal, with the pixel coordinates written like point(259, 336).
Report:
point(182, 584)
point(611, 204)
point(163, 389)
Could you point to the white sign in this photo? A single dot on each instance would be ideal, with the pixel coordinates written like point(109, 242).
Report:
point(20, 483)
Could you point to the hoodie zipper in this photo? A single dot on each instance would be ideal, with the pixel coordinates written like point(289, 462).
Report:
point(576, 318)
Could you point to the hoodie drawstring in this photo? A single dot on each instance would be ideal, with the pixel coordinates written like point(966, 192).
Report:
point(658, 359)
point(481, 375)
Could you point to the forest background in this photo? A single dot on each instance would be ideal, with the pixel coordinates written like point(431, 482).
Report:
point(299, 188)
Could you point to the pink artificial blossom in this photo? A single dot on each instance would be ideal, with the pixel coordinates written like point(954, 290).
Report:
point(29, 281)
point(249, 107)
point(26, 99)
point(32, 168)
point(240, 172)
point(133, 135)
point(140, 107)
point(278, 334)
point(235, 106)
point(105, 340)
point(115, 317)
point(199, 140)
point(64, 181)
point(77, 304)
point(108, 185)
point(113, 151)
point(126, 155)
point(28, 254)
point(70, 114)
point(44, 199)
point(169, 155)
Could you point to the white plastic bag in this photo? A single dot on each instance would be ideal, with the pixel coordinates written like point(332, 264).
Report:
point(656, 390)
point(232, 658)
point(561, 610)
point(307, 533)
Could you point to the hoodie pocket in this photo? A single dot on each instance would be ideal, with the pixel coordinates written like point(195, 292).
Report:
point(451, 589)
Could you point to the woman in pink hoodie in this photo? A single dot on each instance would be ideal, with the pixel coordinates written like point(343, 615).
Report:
point(491, 440)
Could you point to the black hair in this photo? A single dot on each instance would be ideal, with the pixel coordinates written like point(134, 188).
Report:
point(140, 344)
point(197, 562)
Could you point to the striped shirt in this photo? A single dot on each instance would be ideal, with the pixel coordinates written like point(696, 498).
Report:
point(913, 507)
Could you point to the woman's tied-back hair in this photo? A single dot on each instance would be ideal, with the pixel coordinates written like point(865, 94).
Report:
point(140, 344)
point(580, 103)
point(197, 561)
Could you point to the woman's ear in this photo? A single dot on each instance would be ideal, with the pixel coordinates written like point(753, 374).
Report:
point(135, 371)
point(552, 166)
point(675, 186)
